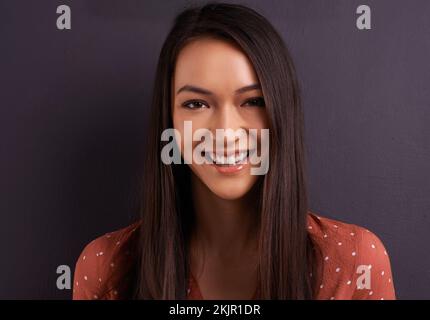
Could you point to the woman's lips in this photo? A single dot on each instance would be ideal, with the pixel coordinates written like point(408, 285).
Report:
point(229, 164)
point(229, 169)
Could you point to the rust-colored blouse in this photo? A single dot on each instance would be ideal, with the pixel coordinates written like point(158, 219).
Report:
point(355, 263)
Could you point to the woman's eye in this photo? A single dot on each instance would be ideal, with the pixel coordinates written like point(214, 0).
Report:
point(194, 105)
point(257, 102)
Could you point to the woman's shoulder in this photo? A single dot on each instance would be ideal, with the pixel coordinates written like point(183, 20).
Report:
point(321, 227)
point(351, 254)
point(99, 259)
point(338, 234)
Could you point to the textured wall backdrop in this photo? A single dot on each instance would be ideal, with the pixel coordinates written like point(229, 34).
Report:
point(73, 108)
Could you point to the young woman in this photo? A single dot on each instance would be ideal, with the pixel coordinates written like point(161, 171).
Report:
point(216, 231)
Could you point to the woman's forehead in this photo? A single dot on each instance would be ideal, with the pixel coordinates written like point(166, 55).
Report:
point(214, 64)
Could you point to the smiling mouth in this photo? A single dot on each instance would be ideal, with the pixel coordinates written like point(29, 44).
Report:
point(240, 157)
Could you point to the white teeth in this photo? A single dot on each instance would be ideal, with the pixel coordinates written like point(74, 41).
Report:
point(227, 160)
point(241, 156)
point(219, 159)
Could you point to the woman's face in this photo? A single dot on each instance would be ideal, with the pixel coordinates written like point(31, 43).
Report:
point(215, 87)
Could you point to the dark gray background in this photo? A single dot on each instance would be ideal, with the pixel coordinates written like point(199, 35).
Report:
point(74, 106)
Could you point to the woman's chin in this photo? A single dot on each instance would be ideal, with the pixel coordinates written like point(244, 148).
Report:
point(225, 186)
point(231, 190)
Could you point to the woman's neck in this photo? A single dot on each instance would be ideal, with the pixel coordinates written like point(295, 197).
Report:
point(224, 227)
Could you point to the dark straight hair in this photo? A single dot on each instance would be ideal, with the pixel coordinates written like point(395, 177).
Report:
point(287, 259)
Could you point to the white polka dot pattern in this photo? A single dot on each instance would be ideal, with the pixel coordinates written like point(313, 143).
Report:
point(348, 253)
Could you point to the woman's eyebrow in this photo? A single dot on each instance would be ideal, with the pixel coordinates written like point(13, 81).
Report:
point(196, 89)
point(255, 86)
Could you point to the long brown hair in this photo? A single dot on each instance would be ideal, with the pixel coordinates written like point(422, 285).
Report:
point(286, 256)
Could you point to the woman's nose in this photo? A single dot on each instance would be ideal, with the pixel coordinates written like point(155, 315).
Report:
point(228, 119)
